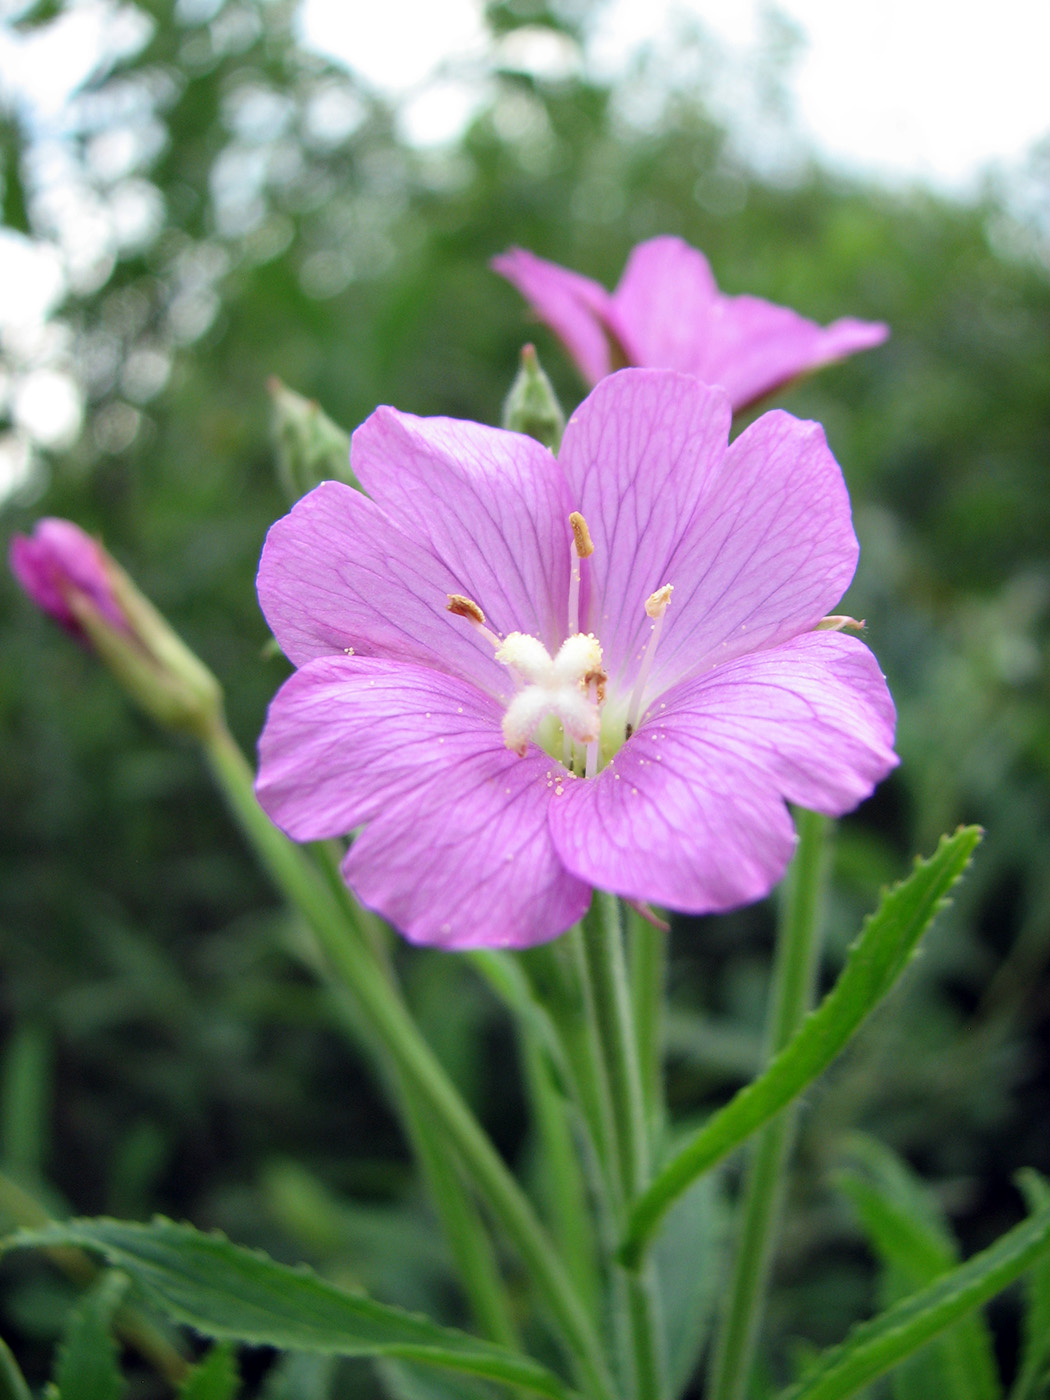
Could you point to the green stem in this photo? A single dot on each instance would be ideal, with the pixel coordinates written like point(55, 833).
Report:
point(792, 986)
point(606, 972)
point(648, 967)
point(355, 965)
point(464, 1229)
point(12, 1382)
point(566, 1196)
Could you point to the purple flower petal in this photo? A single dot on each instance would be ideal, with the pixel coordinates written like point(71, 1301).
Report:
point(639, 453)
point(458, 850)
point(690, 813)
point(664, 303)
point(574, 307)
point(755, 346)
point(667, 313)
point(492, 506)
point(337, 574)
point(769, 551)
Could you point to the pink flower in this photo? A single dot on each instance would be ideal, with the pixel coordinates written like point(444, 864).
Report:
point(73, 579)
point(667, 313)
point(515, 717)
point(61, 568)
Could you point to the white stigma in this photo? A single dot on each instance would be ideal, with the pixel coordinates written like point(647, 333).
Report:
point(569, 686)
point(655, 606)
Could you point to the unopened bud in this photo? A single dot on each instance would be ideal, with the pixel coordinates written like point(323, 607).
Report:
point(532, 406)
point(310, 447)
point(74, 580)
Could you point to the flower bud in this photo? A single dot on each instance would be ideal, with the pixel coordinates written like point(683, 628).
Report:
point(310, 447)
point(532, 407)
point(74, 580)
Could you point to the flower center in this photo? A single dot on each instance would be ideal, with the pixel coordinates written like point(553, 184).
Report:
point(570, 687)
point(559, 700)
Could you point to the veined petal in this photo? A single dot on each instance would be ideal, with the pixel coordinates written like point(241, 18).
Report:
point(491, 506)
point(753, 346)
point(458, 849)
point(639, 453)
point(661, 309)
point(336, 574)
point(768, 552)
point(575, 307)
point(691, 812)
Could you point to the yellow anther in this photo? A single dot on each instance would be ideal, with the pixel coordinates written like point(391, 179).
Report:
point(465, 607)
point(656, 603)
point(581, 535)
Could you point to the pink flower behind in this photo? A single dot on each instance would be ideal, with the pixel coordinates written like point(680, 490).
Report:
point(667, 313)
point(525, 677)
point(59, 566)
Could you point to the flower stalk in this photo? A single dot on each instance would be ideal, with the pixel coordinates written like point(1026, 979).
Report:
point(793, 978)
point(605, 969)
point(347, 953)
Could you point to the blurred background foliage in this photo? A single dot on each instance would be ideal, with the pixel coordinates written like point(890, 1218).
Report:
point(229, 206)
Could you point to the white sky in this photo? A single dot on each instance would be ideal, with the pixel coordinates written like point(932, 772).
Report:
point(927, 89)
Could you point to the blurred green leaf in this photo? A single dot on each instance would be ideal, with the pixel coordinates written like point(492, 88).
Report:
point(12, 1382)
point(877, 1346)
point(232, 1293)
point(1033, 1377)
point(214, 1378)
point(911, 1237)
point(88, 1359)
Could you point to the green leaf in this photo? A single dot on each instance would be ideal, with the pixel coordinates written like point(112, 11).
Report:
point(300, 1375)
point(876, 960)
point(216, 1378)
point(12, 1382)
point(690, 1259)
point(88, 1360)
point(1033, 1378)
point(236, 1294)
point(911, 1237)
point(876, 1346)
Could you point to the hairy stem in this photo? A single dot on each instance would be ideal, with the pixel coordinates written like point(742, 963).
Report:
point(792, 984)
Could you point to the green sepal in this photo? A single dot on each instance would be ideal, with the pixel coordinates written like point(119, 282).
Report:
point(310, 448)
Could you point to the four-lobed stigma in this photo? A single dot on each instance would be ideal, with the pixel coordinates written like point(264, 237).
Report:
point(559, 698)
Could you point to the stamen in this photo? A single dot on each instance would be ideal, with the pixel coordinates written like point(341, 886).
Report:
point(581, 536)
point(592, 748)
point(836, 622)
point(649, 914)
point(655, 606)
point(582, 546)
point(459, 605)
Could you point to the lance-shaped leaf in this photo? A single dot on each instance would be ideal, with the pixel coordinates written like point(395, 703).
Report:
point(88, 1365)
point(1033, 1378)
point(908, 1232)
point(879, 956)
point(216, 1378)
point(875, 1347)
point(236, 1294)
